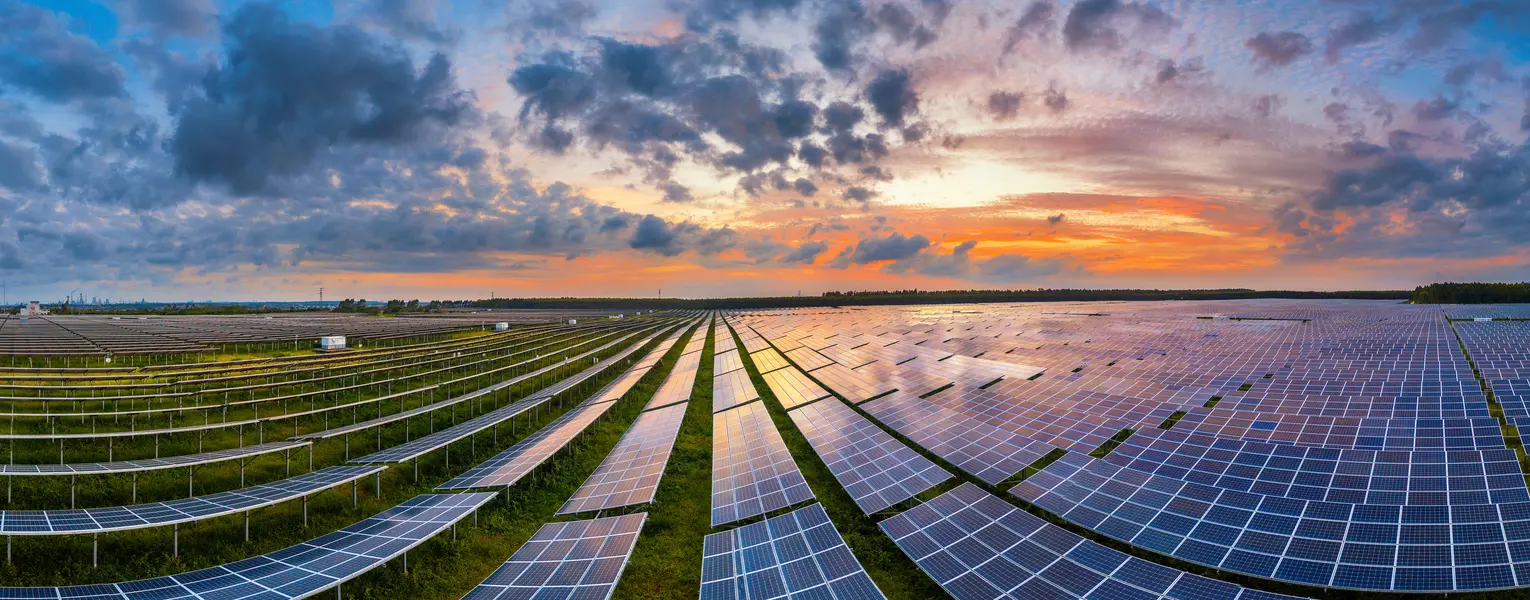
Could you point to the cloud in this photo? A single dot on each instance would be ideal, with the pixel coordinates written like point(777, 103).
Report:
point(1279, 49)
point(1003, 106)
point(1267, 105)
point(654, 234)
point(960, 264)
point(18, 168)
point(805, 187)
point(1361, 28)
point(858, 194)
point(805, 253)
point(892, 95)
point(838, 30)
point(183, 17)
point(39, 55)
point(1396, 202)
point(895, 246)
point(1055, 99)
point(411, 19)
point(1169, 70)
point(1053, 220)
point(1096, 24)
point(288, 91)
point(1039, 18)
point(674, 192)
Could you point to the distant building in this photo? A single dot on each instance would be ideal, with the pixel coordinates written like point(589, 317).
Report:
point(34, 308)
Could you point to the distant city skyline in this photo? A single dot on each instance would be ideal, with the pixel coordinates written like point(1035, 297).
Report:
point(454, 149)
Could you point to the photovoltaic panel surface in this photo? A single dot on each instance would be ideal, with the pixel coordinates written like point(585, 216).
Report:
point(798, 555)
point(574, 559)
point(296, 572)
point(752, 471)
point(156, 514)
point(793, 388)
point(767, 360)
point(732, 389)
point(517, 461)
point(876, 470)
point(630, 474)
point(979, 547)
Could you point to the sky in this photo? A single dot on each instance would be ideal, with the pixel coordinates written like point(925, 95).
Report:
point(182, 150)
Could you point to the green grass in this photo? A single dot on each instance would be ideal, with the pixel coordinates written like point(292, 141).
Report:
point(1174, 418)
point(1111, 443)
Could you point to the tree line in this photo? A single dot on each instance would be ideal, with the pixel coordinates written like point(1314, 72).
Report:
point(865, 298)
point(1472, 293)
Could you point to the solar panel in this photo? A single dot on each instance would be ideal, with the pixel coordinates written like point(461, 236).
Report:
point(979, 547)
point(793, 388)
point(799, 555)
point(726, 362)
point(159, 514)
point(630, 474)
point(808, 359)
point(574, 559)
point(985, 451)
point(852, 385)
point(752, 471)
point(722, 339)
point(732, 389)
point(768, 360)
point(876, 470)
point(517, 461)
point(298, 571)
point(679, 384)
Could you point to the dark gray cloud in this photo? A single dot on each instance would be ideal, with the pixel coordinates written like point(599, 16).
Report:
point(18, 168)
point(1169, 70)
point(1524, 121)
point(674, 192)
point(1053, 220)
point(1266, 106)
point(805, 187)
point(182, 17)
point(892, 95)
point(288, 91)
point(411, 19)
point(857, 194)
point(39, 55)
point(1395, 202)
point(1279, 49)
point(657, 235)
point(703, 15)
point(895, 246)
point(900, 23)
point(1436, 109)
point(805, 253)
point(1055, 99)
point(1361, 28)
point(1097, 24)
point(1003, 106)
point(841, 26)
point(1039, 18)
point(959, 264)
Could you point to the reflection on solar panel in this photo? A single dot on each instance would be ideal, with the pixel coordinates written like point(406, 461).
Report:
point(515, 462)
point(793, 388)
point(679, 384)
point(808, 359)
point(987, 452)
point(1360, 546)
point(877, 470)
point(732, 389)
point(157, 514)
point(299, 571)
point(576, 559)
point(798, 555)
point(979, 547)
point(768, 360)
point(852, 385)
point(722, 339)
point(752, 471)
point(630, 474)
point(726, 362)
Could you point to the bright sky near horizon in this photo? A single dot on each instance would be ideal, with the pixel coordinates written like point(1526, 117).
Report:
point(219, 149)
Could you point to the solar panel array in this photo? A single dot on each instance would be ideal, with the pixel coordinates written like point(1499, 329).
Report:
point(574, 559)
point(1330, 443)
point(160, 514)
point(979, 547)
point(875, 469)
point(298, 571)
point(732, 389)
point(797, 555)
point(630, 474)
point(752, 471)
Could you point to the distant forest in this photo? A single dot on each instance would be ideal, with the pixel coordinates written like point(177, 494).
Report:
point(831, 299)
point(1472, 293)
